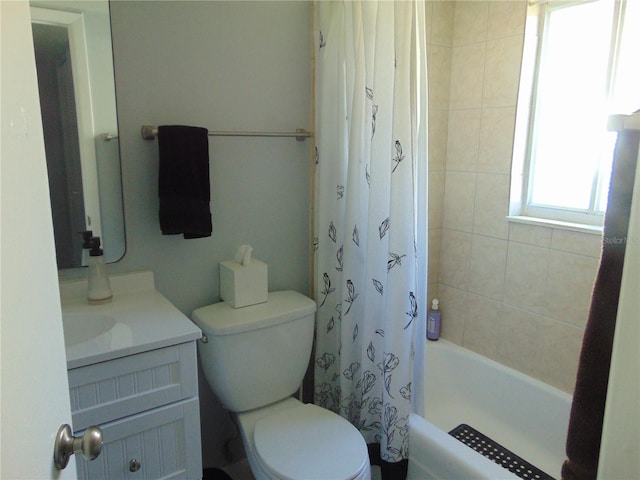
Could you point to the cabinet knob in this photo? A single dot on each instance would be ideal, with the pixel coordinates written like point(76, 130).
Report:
point(134, 465)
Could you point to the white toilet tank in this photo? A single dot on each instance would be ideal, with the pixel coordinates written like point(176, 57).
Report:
point(259, 354)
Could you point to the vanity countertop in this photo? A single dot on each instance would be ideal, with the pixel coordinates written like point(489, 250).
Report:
point(141, 320)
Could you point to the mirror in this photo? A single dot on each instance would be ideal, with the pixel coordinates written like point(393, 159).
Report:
point(74, 60)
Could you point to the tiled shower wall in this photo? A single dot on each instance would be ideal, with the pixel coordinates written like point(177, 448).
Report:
point(516, 293)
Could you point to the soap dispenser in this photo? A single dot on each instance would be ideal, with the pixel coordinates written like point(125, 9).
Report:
point(433, 320)
point(99, 288)
point(86, 245)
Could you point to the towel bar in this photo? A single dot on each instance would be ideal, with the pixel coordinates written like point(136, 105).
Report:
point(618, 123)
point(149, 132)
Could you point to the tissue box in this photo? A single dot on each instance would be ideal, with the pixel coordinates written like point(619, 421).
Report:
point(240, 285)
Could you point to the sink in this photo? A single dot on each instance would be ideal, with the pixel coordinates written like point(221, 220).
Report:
point(82, 327)
point(137, 320)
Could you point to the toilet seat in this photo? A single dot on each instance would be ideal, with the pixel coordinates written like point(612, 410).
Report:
point(310, 442)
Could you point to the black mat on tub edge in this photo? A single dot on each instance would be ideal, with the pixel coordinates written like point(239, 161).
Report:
point(497, 453)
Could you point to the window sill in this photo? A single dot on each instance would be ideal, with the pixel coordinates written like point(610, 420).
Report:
point(543, 222)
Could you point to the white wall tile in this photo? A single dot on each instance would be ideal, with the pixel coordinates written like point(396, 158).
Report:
point(432, 291)
point(435, 240)
point(518, 339)
point(455, 251)
point(428, 15)
point(439, 75)
point(442, 23)
point(459, 198)
point(438, 131)
point(436, 198)
point(482, 326)
point(496, 279)
point(506, 18)
point(530, 234)
point(467, 72)
point(453, 309)
point(569, 285)
point(577, 242)
point(525, 277)
point(487, 266)
point(491, 205)
point(559, 347)
point(462, 140)
point(470, 22)
point(495, 146)
point(502, 71)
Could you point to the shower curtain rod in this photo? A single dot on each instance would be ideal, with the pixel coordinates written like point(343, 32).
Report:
point(150, 132)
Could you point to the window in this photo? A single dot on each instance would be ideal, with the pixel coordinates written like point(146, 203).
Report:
point(586, 66)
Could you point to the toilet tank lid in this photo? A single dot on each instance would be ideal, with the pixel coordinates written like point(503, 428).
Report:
point(280, 307)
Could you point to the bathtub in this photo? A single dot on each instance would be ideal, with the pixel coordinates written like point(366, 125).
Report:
point(520, 413)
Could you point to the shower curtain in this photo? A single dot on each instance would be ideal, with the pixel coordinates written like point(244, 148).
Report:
point(370, 217)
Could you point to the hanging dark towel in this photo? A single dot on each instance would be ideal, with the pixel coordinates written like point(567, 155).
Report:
point(183, 181)
point(587, 409)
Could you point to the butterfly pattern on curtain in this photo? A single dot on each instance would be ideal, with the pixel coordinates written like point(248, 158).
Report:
point(365, 223)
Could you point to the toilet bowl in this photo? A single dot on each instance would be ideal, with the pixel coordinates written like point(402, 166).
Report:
point(254, 358)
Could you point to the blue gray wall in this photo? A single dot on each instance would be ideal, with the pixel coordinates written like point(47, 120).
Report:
point(223, 66)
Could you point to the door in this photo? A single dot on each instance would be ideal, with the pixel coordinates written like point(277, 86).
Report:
point(620, 450)
point(34, 386)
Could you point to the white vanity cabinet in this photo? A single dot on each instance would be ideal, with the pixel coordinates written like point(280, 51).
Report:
point(132, 372)
point(147, 407)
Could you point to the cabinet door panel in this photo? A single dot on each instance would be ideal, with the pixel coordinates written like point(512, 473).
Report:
point(163, 443)
point(107, 391)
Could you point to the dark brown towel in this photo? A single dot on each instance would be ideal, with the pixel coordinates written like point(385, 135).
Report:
point(183, 181)
point(587, 409)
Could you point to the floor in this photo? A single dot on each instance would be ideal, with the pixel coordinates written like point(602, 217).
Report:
point(241, 471)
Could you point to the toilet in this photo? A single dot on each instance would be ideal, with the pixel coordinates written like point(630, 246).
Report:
point(254, 359)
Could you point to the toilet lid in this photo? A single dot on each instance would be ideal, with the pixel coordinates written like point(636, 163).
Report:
point(310, 442)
